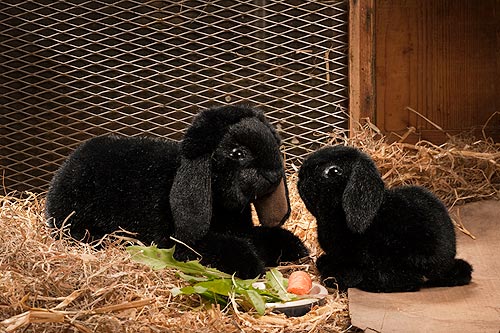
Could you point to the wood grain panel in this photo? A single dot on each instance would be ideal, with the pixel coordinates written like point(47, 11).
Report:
point(441, 59)
point(361, 62)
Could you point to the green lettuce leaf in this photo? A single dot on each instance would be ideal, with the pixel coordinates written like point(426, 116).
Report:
point(278, 284)
point(162, 258)
point(212, 284)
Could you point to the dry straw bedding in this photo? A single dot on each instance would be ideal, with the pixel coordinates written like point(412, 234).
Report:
point(49, 285)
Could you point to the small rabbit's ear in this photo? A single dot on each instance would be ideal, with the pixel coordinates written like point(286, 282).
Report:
point(362, 196)
point(191, 199)
point(274, 209)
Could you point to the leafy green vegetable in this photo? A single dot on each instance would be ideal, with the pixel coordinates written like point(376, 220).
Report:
point(162, 258)
point(210, 292)
point(212, 284)
point(276, 282)
point(254, 298)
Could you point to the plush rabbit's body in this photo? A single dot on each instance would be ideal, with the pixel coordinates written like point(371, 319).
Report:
point(199, 191)
point(374, 238)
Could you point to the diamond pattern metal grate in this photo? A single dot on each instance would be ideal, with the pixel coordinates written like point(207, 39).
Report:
point(74, 69)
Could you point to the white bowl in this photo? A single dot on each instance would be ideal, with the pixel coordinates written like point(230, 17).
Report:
point(301, 306)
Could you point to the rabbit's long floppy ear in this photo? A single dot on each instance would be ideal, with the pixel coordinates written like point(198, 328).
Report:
point(274, 209)
point(362, 196)
point(191, 199)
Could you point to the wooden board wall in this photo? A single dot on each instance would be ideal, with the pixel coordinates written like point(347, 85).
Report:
point(439, 58)
point(361, 62)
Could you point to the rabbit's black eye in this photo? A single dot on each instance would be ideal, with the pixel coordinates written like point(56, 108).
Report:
point(332, 171)
point(237, 154)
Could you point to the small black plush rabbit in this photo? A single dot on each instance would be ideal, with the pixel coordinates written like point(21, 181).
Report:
point(374, 238)
point(199, 191)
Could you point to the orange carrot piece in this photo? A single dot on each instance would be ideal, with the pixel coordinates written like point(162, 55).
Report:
point(299, 283)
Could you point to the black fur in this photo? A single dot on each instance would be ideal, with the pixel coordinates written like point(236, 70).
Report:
point(195, 191)
point(374, 238)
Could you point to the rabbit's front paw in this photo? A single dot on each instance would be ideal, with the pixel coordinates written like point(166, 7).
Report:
point(276, 245)
point(230, 254)
point(389, 281)
point(240, 258)
point(335, 275)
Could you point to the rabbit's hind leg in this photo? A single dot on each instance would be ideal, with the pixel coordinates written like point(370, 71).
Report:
point(458, 274)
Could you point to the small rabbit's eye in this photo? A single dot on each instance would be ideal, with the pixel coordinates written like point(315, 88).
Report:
point(237, 154)
point(332, 171)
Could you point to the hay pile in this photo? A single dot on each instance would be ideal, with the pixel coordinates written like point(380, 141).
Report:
point(49, 285)
point(461, 170)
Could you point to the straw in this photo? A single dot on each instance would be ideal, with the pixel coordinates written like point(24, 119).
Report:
point(49, 285)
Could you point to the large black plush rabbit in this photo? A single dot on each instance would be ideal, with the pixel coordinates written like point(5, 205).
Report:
point(374, 238)
point(199, 191)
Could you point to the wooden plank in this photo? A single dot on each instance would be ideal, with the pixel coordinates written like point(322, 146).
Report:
point(474, 308)
point(440, 58)
point(361, 62)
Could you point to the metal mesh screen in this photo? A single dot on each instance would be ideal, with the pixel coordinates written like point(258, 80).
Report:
point(74, 69)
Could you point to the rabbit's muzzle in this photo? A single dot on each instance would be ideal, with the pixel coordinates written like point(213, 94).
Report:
point(268, 183)
point(273, 208)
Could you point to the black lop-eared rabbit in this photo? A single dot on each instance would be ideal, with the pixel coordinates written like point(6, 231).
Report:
point(374, 238)
point(199, 191)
